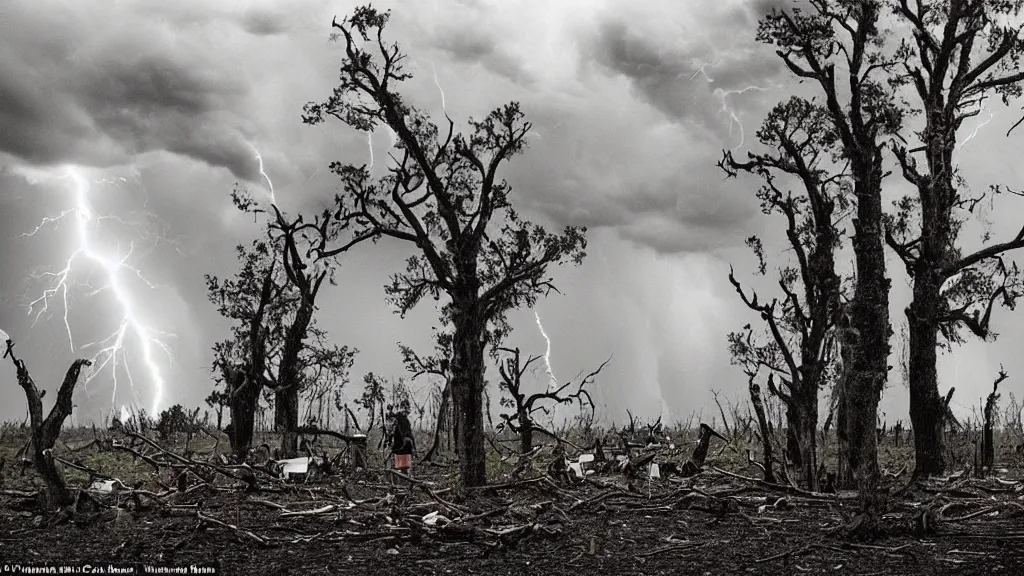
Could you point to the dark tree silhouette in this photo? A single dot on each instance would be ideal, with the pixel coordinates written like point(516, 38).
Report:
point(962, 52)
point(443, 196)
point(799, 349)
point(988, 445)
point(276, 343)
point(811, 43)
point(255, 299)
point(46, 430)
point(218, 400)
point(522, 405)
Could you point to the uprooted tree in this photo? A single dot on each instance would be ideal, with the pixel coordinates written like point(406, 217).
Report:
point(815, 44)
point(443, 196)
point(962, 53)
point(798, 348)
point(45, 431)
point(522, 405)
point(275, 342)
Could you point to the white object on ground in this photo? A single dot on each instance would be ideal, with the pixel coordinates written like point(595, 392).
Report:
point(295, 466)
point(434, 518)
point(106, 486)
point(576, 469)
point(654, 471)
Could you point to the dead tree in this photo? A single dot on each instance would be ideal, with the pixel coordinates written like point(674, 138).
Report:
point(520, 419)
point(962, 53)
point(442, 197)
point(798, 350)
point(815, 43)
point(700, 451)
point(988, 447)
point(45, 431)
point(762, 422)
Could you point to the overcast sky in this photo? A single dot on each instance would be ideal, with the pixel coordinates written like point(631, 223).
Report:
point(159, 105)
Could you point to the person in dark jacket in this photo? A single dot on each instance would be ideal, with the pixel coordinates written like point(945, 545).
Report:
point(402, 443)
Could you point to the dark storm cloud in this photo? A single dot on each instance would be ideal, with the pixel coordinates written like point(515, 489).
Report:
point(693, 81)
point(71, 94)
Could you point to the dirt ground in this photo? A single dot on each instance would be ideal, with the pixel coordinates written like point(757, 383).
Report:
point(360, 523)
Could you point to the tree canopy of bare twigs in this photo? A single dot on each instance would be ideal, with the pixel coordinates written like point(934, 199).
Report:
point(522, 405)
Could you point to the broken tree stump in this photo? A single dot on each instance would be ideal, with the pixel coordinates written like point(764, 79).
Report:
point(45, 431)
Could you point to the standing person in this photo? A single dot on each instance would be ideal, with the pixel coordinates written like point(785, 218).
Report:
point(402, 443)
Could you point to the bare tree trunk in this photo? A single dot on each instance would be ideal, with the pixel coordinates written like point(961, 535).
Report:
point(927, 411)
point(286, 412)
point(988, 447)
point(762, 422)
point(46, 431)
point(242, 404)
point(525, 435)
point(805, 424)
point(870, 322)
point(467, 392)
point(443, 423)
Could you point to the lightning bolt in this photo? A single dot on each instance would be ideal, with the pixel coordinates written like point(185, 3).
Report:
point(723, 96)
point(733, 119)
point(369, 145)
point(439, 89)
point(270, 184)
point(111, 349)
point(991, 115)
point(552, 381)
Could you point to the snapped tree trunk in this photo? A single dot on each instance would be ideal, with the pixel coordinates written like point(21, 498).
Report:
point(467, 392)
point(45, 431)
point(988, 447)
point(762, 422)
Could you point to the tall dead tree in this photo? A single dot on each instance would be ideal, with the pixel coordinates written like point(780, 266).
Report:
point(863, 111)
point(522, 405)
point(798, 350)
point(962, 52)
point(762, 425)
point(443, 196)
point(988, 446)
point(45, 431)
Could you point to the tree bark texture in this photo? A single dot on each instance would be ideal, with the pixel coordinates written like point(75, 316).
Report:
point(467, 390)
